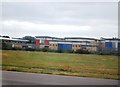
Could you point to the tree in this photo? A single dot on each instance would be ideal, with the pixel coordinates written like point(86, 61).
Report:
point(6, 36)
point(30, 38)
point(6, 46)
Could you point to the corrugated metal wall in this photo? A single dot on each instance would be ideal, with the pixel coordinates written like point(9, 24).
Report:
point(108, 44)
point(64, 46)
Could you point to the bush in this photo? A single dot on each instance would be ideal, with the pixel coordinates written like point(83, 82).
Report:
point(44, 49)
point(69, 51)
point(108, 52)
point(60, 51)
point(79, 51)
point(30, 49)
point(17, 48)
point(37, 49)
point(51, 50)
point(6, 46)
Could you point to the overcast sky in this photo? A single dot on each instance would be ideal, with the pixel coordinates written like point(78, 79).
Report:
point(60, 19)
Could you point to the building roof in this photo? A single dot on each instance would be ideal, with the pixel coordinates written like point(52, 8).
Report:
point(118, 39)
point(66, 37)
point(42, 36)
point(80, 38)
point(2, 38)
point(47, 37)
point(67, 41)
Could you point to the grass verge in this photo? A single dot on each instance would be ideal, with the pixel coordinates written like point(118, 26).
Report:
point(98, 66)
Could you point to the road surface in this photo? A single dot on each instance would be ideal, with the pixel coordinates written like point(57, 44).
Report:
point(23, 78)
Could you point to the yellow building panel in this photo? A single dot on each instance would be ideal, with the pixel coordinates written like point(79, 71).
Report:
point(76, 47)
point(53, 46)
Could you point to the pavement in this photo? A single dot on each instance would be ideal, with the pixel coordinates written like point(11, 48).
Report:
point(23, 78)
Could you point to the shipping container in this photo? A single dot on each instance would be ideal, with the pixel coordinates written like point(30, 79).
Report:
point(108, 44)
point(64, 46)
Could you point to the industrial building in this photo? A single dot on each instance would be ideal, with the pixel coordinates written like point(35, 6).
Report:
point(15, 43)
point(75, 43)
point(67, 43)
point(111, 44)
point(89, 44)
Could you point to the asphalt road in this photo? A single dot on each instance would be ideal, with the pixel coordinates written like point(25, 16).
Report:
point(22, 78)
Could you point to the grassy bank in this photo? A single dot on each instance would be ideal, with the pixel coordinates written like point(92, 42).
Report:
point(100, 66)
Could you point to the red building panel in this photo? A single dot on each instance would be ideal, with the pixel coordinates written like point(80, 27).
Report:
point(37, 41)
point(46, 42)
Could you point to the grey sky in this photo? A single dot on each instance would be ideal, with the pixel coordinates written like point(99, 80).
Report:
point(81, 19)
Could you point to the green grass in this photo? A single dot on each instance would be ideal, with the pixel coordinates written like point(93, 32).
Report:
point(86, 65)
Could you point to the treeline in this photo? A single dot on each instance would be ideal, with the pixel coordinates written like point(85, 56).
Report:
point(7, 46)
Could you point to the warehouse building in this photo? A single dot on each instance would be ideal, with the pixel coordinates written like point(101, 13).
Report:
point(72, 45)
point(15, 43)
point(67, 43)
point(89, 44)
point(111, 44)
